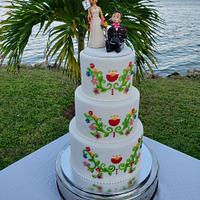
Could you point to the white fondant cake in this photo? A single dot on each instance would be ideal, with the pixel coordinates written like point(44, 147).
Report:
point(106, 134)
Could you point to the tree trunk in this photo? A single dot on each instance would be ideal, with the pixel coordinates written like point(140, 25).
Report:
point(81, 37)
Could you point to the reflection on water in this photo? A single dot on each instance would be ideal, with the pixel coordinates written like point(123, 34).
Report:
point(178, 48)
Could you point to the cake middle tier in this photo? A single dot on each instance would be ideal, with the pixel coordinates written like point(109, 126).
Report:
point(106, 121)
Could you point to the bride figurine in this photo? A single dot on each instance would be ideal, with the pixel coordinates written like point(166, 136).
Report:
point(96, 19)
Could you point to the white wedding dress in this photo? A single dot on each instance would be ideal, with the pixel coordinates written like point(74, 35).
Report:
point(96, 37)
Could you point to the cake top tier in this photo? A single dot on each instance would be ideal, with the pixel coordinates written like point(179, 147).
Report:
point(107, 76)
point(101, 52)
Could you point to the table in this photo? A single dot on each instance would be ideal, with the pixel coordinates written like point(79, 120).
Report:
point(33, 177)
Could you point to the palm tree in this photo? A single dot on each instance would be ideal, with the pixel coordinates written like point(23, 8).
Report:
point(139, 16)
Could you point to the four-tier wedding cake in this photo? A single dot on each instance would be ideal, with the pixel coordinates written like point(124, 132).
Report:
point(106, 133)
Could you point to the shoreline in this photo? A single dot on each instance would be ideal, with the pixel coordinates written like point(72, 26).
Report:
point(191, 73)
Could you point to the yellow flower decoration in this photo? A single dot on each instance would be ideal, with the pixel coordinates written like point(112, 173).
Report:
point(96, 71)
point(95, 117)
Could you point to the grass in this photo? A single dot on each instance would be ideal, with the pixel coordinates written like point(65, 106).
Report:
point(34, 103)
point(170, 112)
point(32, 107)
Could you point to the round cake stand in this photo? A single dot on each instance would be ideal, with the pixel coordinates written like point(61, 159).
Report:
point(74, 187)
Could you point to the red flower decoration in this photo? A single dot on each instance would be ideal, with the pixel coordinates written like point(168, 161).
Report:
point(92, 66)
point(112, 76)
point(130, 63)
point(98, 170)
point(90, 113)
point(133, 110)
point(88, 149)
point(116, 159)
point(114, 121)
point(96, 91)
point(98, 136)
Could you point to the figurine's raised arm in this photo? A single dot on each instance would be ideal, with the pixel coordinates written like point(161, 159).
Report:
point(101, 14)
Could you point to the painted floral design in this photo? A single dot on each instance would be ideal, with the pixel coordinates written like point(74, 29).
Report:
point(111, 81)
point(98, 169)
point(114, 126)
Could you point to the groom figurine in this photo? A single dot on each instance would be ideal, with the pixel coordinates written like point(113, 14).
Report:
point(116, 35)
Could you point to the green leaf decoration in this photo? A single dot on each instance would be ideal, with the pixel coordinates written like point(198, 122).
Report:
point(124, 82)
point(94, 166)
point(99, 129)
point(99, 126)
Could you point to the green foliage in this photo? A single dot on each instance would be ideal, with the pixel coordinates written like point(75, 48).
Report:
point(32, 111)
point(170, 112)
point(139, 16)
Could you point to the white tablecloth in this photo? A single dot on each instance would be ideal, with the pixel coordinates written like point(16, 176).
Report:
point(33, 177)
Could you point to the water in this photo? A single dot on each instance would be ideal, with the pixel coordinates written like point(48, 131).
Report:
point(178, 48)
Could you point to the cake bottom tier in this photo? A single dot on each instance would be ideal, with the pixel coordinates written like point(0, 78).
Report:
point(105, 163)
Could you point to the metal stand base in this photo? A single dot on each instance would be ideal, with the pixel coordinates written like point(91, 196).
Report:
point(74, 187)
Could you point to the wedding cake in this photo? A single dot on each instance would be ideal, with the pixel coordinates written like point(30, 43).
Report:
point(106, 133)
point(105, 159)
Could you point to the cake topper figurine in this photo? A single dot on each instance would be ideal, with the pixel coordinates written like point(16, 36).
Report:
point(96, 21)
point(117, 34)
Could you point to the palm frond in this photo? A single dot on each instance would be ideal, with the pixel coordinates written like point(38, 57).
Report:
point(139, 16)
point(61, 43)
point(17, 28)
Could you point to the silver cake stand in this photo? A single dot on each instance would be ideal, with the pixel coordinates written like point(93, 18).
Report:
point(74, 187)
